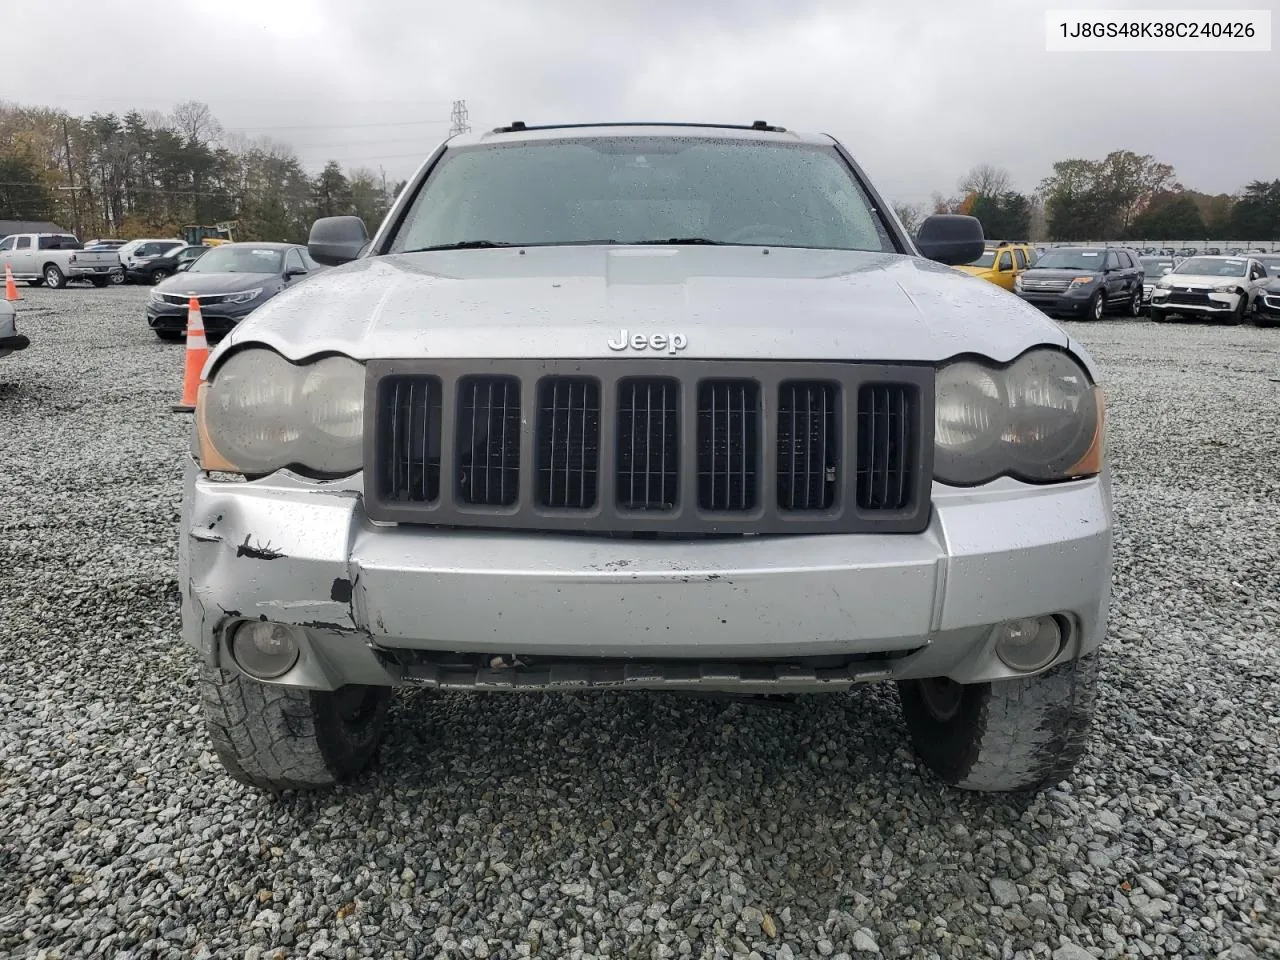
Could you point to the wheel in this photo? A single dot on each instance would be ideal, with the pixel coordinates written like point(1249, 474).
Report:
point(1135, 304)
point(1018, 734)
point(54, 278)
point(117, 276)
point(284, 738)
point(170, 335)
point(158, 275)
point(1238, 315)
point(1096, 306)
point(98, 281)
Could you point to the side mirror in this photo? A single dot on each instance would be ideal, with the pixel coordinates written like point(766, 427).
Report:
point(1164, 270)
point(951, 239)
point(184, 266)
point(290, 274)
point(337, 240)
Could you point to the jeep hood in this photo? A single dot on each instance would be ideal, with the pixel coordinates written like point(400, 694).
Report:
point(570, 301)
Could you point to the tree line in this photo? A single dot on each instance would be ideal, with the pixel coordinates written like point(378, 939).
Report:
point(148, 173)
point(141, 174)
point(1123, 196)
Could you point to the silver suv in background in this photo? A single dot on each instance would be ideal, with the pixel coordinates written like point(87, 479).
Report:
point(695, 413)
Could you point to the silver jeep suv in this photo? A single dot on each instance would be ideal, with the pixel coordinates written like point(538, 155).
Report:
point(647, 407)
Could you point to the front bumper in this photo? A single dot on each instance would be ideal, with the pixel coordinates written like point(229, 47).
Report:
point(1216, 308)
point(1058, 304)
point(382, 603)
point(218, 318)
point(1269, 306)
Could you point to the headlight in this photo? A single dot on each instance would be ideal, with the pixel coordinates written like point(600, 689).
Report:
point(260, 413)
point(155, 295)
point(246, 296)
point(1039, 419)
point(1229, 289)
point(1078, 282)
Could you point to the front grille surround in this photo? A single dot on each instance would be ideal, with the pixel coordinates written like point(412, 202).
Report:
point(1193, 298)
point(691, 512)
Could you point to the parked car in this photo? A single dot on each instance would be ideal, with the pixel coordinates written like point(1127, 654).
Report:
point(137, 254)
point(1000, 263)
point(1270, 262)
point(104, 244)
point(11, 341)
point(230, 282)
point(1266, 305)
point(155, 269)
point(1153, 268)
point(585, 438)
point(1209, 288)
point(55, 258)
point(1084, 282)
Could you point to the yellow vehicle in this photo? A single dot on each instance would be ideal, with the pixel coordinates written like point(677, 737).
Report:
point(209, 236)
point(1001, 262)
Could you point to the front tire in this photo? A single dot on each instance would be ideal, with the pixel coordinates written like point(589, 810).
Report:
point(1019, 734)
point(1240, 313)
point(117, 277)
point(280, 738)
point(1096, 306)
point(54, 278)
point(1135, 305)
point(158, 275)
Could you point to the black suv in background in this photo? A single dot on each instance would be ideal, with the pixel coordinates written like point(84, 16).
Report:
point(1084, 282)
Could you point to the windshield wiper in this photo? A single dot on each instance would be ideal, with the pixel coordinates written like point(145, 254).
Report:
point(681, 241)
point(463, 245)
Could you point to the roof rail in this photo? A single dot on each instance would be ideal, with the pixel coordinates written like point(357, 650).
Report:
point(518, 125)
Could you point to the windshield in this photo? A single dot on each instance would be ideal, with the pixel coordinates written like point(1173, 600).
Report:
point(1065, 259)
point(1153, 267)
point(1211, 267)
point(642, 190)
point(238, 260)
point(988, 260)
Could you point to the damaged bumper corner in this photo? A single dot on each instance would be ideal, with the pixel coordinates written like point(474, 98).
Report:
point(475, 609)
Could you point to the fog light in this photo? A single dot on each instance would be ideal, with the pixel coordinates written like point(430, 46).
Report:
point(265, 650)
point(1026, 645)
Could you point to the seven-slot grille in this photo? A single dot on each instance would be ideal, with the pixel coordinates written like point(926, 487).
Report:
point(606, 446)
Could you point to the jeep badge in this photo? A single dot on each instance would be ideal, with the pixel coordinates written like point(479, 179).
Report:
point(672, 343)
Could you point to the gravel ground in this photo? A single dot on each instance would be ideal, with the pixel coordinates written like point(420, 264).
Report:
point(630, 825)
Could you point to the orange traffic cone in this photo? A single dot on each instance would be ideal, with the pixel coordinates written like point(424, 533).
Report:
point(10, 288)
point(197, 354)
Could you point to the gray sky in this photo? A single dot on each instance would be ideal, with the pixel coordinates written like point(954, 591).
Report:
point(919, 90)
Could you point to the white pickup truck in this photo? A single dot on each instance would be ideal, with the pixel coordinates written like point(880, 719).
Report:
point(55, 258)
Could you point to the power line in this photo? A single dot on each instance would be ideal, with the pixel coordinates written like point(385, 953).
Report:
point(337, 126)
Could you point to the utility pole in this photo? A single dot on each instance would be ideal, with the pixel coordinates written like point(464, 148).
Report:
point(459, 119)
point(71, 177)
